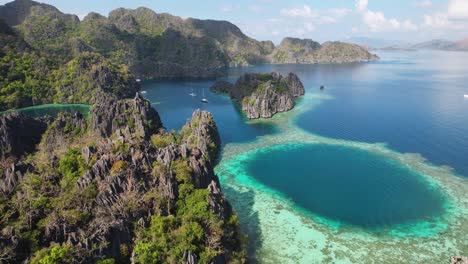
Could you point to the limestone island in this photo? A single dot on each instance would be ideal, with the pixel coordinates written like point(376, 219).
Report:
point(263, 95)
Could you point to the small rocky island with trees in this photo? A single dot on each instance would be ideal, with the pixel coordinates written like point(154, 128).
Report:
point(262, 95)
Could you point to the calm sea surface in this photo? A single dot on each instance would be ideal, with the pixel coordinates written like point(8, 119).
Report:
point(413, 101)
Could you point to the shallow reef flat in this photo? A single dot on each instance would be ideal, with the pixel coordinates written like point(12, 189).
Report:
point(282, 232)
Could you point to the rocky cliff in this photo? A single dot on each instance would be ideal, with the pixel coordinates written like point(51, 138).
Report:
point(292, 50)
point(115, 188)
point(19, 134)
point(157, 45)
point(263, 95)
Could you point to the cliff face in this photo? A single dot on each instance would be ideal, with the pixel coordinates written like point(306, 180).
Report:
point(19, 134)
point(292, 50)
point(263, 95)
point(116, 186)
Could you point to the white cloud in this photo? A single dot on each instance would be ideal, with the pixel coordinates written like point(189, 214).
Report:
point(408, 25)
point(455, 18)
point(377, 22)
point(442, 21)
point(320, 16)
point(304, 11)
point(458, 9)
point(339, 12)
point(361, 5)
point(228, 8)
point(327, 20)
point(438, 20)
point(299, 21)
point(424, 3)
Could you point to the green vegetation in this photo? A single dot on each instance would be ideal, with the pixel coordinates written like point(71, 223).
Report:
point(54, 255)
point(71, 167)
point(182, 171)
point(23, 79)
point(27, 79)
point(118, 167)
point(168, 237)
point(103, 199)
point(163, 139)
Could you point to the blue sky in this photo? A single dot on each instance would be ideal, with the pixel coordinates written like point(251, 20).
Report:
point(406, 20)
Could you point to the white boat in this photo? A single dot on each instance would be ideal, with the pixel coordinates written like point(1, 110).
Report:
point(138, 80)
point(466, 95)
point(193, 94)
point(143, 92)
point(204, 100)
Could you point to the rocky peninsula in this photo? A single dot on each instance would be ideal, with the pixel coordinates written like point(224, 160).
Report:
point(263, 95)
point(114, 188)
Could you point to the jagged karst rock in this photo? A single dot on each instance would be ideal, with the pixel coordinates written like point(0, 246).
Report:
point(263, 95)
point(62, 131)
point(201, 132)
point(135, 116)
point(190, 257)
point(90, 74)
point(19, 134)
point(11, 176)
point(120, 187)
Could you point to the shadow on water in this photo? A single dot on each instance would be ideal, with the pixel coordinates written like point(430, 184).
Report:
point(242, 203)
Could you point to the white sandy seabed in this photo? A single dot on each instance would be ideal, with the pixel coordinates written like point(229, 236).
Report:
point(280, 232)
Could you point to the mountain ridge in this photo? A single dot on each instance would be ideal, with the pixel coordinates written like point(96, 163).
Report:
point(139, 38)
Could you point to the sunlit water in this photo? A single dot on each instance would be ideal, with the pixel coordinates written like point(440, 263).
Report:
point(314, 185)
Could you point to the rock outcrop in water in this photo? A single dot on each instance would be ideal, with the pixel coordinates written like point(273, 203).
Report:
point(263, 95)
point(116, 187)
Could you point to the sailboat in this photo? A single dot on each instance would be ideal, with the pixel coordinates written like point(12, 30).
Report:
point(204, 100)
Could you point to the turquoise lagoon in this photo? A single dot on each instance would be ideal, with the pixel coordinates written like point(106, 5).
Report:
point(52, 110)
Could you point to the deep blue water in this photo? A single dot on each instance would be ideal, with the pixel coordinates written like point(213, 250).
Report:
point(174, 104)
point(413, 101)
point(347, 184)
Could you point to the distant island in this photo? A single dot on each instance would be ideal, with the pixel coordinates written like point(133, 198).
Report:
point(307, 51)
point(70, 55)
point(263, 95)
point(390, 45)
